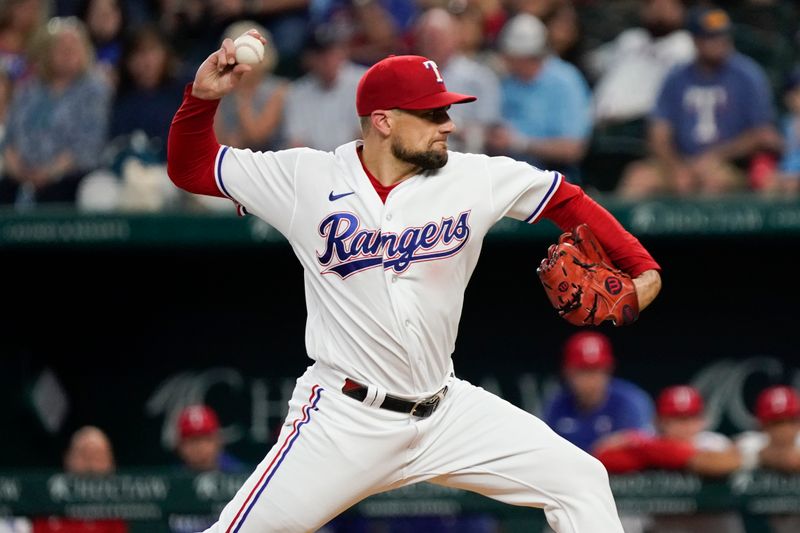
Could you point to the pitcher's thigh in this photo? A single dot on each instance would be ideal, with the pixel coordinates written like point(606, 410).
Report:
point(496, 449)
point(314, 472)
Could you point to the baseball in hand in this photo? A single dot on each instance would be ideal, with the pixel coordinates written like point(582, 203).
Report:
point(249, 50)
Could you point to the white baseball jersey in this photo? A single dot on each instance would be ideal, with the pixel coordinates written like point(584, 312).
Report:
point(384, 283)
point(750, 444)
point(384, 288)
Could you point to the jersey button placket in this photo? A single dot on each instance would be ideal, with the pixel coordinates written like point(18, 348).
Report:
point(409, 333)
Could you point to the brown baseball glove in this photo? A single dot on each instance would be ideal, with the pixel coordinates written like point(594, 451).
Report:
point(583, 284)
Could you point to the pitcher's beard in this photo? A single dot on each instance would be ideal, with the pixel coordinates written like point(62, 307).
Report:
point(426, 160)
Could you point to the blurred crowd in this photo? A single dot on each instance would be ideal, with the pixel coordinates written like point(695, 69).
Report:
point(634, 97)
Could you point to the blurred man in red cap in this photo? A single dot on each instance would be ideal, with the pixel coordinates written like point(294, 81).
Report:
point(777, 445)
point(682, 443)
point(200, 444)
point(594, 404)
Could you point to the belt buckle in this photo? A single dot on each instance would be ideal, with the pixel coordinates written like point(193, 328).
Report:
point(425, 407)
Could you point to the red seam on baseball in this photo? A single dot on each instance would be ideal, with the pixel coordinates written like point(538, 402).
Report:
point(251, 47)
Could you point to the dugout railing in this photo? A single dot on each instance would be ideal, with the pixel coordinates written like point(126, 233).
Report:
point(146, 499)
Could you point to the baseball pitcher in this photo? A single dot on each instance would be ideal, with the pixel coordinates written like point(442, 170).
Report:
point(388, 230)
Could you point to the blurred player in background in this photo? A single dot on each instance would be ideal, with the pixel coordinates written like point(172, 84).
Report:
point(777, 445)
point(682, 443)
point(594, 404)
point(200, 444)
point(201, 449)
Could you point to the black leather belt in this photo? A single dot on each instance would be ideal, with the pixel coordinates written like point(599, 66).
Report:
point(421, 408)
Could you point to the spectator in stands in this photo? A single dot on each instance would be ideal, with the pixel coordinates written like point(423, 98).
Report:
point(200, 444)
point(378, 28)
point(320, 108)
point(711, 117)
point(6, 92)
point(545, 102)
point(594, 404)
point(287, 22)
point(682, 443)
point(564, 32)
point(630, 70)
point(777, 445)
point(58, 121)
point(194, 25)
point(561, 20)
point(19, 22)
point(106, 22)
point(89, 452)
point(480, 23)
point(189, 26)
point(251, 116)
point(787, 177)
point(437, 38)
point(149, 89)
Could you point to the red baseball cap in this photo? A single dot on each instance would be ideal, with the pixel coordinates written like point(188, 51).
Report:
point(588, 350)
point(777, 403)
point(679, 401)
point(404, 82)
point(197, 420)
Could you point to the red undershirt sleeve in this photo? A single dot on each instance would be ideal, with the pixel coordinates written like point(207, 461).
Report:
point(192, 146)
point(571, 206)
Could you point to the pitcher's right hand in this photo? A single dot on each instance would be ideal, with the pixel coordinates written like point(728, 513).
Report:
point(219, 73)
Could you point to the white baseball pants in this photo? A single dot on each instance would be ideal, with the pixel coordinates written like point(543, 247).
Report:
point(334, 451)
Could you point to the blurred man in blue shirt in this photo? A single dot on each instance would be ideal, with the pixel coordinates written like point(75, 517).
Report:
point(711, 117)
point(546, 102)
point(593, 403)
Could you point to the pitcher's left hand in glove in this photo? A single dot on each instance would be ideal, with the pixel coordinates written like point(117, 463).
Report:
point(583, 284)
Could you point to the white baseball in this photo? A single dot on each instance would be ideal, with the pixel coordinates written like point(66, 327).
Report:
point(249, 50)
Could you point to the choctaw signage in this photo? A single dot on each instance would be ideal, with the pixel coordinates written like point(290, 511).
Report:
point(67, 488)
point(155, 495)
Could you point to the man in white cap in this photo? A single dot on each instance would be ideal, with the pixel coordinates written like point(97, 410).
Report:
point(545, 102)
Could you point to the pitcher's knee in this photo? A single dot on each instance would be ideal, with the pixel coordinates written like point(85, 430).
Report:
point(589, 470)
